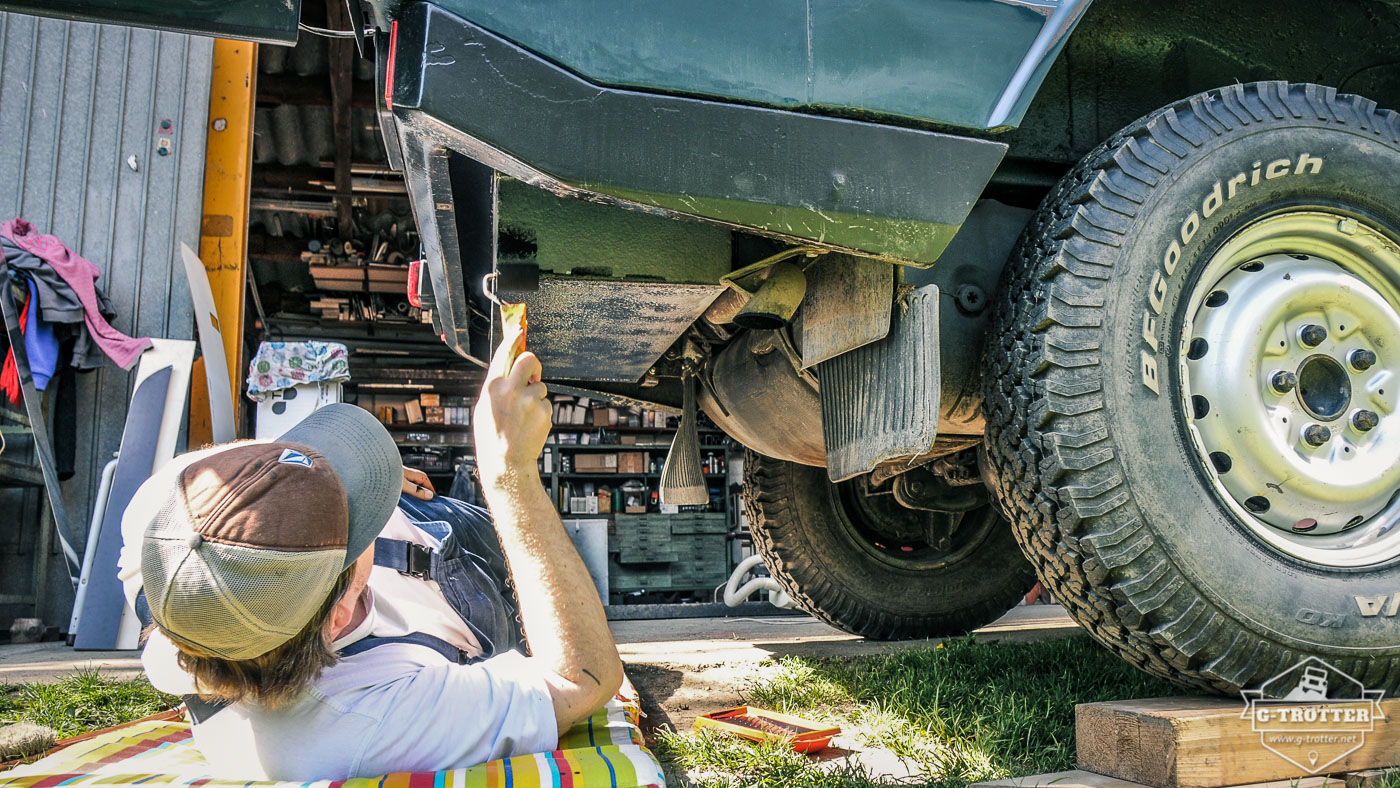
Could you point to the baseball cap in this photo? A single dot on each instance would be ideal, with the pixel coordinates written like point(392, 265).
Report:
point(246, 542)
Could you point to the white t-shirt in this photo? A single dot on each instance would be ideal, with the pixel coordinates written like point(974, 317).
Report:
point(395, 708)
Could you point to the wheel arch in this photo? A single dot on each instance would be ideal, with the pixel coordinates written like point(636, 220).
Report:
point(1127, 58)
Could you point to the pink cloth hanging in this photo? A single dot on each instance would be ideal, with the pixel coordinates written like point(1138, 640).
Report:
point(80, 274)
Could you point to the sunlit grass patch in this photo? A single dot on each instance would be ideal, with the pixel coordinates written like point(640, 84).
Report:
point(82, 702)
point(956, 715)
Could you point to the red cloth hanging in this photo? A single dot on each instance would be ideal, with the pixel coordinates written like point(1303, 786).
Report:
point(9, 375)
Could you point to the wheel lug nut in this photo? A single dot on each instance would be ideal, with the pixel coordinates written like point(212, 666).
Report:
point(1361, 359)
point(1316, 435)
point(1312, 335)
point(1283, 381)
point(1365, 420)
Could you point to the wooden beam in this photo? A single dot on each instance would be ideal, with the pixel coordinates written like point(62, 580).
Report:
point(223, 235)
point(310, 179)
point(342, 76)
point(275, 89)
point(293, 177)
point(1209, 743)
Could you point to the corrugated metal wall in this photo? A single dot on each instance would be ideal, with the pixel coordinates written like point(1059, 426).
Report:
point(80, 113)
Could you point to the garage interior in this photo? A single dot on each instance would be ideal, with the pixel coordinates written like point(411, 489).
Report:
point(329, 238)
point(319, 166)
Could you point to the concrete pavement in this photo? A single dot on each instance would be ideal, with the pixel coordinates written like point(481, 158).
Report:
point(682, 643)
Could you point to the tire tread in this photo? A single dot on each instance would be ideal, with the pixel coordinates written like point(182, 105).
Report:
point(1054, 461)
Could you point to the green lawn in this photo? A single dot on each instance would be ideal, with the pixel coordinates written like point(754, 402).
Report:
point(964, 713)
point(81, 702)
point(968, 712)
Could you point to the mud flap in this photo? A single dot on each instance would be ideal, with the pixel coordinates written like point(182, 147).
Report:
point(880, 401)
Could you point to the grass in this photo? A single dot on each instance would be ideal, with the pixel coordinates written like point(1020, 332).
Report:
point(959, 714)
point(81, 702)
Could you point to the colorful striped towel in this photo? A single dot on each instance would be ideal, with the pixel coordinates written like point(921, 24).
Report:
point(604, 751)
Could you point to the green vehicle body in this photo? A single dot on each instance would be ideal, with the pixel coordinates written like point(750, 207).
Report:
point(864, 127)
point(853, 59)
point(836, 56)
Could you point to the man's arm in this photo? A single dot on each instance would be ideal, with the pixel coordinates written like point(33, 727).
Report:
point(558, 601)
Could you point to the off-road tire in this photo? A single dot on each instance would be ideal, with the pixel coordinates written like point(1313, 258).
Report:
point(794, 520)
point(1095, 471)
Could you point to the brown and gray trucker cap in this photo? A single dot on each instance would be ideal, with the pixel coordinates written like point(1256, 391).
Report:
point(250, 539)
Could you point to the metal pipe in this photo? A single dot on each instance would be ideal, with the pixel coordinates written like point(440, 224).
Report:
point(735, 595)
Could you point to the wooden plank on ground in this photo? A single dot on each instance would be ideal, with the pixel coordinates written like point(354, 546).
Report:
point(1209, 743)
point(1071, 779)
point(1085, 779)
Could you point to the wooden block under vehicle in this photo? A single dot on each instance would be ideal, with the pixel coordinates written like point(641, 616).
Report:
point(1209, 743)
point(1079, 778)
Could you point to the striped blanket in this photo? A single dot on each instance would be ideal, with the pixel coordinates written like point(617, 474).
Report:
point(604, 751)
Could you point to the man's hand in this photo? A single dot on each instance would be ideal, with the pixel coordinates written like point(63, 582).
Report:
point(512, 416)
point(559, 605)
point(417, 484)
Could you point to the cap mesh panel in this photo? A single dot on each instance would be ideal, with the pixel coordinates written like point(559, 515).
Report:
point(236, 602)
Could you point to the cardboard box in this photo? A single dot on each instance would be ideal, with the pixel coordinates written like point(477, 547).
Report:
point(433, 416)
point(595, 462)
point(631, 462)
point(429, 400)
point(604, 417)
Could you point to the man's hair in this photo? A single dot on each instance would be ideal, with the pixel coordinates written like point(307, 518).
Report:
point(276, 677)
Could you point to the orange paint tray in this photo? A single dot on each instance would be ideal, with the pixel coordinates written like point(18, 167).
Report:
point(755, 724)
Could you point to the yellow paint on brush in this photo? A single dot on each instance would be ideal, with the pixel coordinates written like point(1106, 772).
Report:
point(514, 322)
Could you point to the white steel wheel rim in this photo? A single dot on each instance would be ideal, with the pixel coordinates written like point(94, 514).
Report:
point(1312, 469)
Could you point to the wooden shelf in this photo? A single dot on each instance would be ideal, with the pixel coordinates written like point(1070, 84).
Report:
point(614, 446)
point(609, 475)
point(595, 428)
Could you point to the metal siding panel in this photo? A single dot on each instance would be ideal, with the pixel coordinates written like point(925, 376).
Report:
point(76, 100)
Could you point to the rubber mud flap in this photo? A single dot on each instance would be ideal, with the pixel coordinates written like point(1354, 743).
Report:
point(880, 401)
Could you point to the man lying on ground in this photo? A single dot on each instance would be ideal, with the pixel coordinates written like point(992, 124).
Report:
point(318, 632)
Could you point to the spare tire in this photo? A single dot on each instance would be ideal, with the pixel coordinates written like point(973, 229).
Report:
point(836, 549)
point(1193, 414)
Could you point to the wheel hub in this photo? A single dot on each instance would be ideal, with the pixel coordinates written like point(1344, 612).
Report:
point(910, 538)
point(1289, 382)
point(1324, 390)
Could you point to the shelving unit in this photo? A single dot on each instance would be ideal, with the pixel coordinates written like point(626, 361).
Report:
point(389, 381)
point(653, 556)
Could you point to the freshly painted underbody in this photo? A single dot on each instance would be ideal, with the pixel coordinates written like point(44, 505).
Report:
point(465, 106)
point(516, 94)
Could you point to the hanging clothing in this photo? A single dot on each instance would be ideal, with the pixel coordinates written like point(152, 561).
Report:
point(72, 297)
point(40, 346)
point(65, 415)
point(9, 373)
point(39, 342)
point(58, 304)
